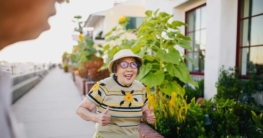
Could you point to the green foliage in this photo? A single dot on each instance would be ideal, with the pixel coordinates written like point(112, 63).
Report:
point(159, 39)
point(116, 40)
point(219, 117)
point(194, 92)
point(224, 121)
point(65, 57)
point(65, 67)
point(85, 51)
point(258, 119)
point(230, 86)
point(246, 125)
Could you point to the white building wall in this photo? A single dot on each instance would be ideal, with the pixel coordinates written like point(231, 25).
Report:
point(221, 40)
point(98, 27)
point(113, 15)
point(162, 5)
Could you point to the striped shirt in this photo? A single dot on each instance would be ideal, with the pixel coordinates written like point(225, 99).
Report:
point(125, 107)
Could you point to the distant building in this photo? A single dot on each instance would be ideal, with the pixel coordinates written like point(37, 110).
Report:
point(102, 22)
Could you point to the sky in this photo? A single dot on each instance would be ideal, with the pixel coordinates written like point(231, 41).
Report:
point(51, 44)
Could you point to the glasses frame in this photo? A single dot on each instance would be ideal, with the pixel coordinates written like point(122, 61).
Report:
point(128, 64)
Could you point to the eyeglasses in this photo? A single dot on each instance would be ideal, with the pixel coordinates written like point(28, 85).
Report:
point(125, 64)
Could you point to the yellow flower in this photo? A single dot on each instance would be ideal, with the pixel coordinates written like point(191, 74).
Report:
point(128, 97)
point(147, 89)
point(96, 86)
point(81, 37)
point(151, 99)
point(122, 19)
point(179, 117)
point(185, 104)
point(174, 96)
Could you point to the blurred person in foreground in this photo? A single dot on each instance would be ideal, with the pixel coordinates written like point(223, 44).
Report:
point(120, 100)
point(20, 20)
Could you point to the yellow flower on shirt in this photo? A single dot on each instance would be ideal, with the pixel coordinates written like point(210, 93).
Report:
point(128, 97)
point(96, 86)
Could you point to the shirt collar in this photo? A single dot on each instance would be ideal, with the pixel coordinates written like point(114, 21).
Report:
point(115, 78)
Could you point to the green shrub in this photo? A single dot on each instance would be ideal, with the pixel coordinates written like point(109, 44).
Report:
point(194, 92)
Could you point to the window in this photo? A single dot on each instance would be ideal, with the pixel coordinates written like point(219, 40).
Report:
point(250, 37)
point(134, 22)
point(196, 30)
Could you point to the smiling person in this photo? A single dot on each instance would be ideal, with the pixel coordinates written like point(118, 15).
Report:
point(120, 100)
point(20, 20)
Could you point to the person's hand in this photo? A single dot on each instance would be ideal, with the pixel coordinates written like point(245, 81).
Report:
point(150, 117)
point(104, 118)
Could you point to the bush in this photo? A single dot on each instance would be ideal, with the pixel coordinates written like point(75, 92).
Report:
point(194, 92)
point(230, 86)
point(228, 114)
point(65, 67)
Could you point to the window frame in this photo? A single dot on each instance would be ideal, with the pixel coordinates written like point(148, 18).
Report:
point(240, 35)
point(186, 32)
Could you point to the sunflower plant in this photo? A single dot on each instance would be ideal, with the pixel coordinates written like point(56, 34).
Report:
point(164, 72)
point(158, 42)
point(116, 40)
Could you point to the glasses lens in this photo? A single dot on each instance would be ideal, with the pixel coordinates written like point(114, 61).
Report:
point(124, 64)
point(133, 65)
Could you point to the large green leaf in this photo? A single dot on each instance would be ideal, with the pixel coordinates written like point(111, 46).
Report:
point(90, 42)
point(148, 13)
point(183, 74)
point(165, 19)
point(171, 34)
point(163, 14)
point(172, 86)
point(153, 79)
point(176, 24)
point(136, 47)
point(171, 69)
point(155, 12)
point(151, 24)
point(184, 44)
point(145, 69)
point(106, 47)
point(169, 44)
point(179, 35)
point(171, 57)
point(189, 59)
point(148, 57)
point(142, 30)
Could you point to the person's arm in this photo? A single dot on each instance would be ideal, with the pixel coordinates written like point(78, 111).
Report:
point(147, 115)
point(84, 110)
